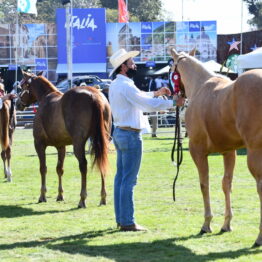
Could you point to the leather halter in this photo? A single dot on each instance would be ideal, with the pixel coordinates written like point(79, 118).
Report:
point(25, 83)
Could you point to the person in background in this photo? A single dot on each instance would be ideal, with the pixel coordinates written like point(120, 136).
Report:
point(165, 81)
point(151, 84)
point(159, 82)
point(153, 115)
point(128, 104)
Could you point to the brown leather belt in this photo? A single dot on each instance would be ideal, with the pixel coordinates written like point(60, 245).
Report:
point(128, 128)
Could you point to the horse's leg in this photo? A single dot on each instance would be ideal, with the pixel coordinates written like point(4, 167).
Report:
point(103, 190)
point(6, 156)
point(40, 149)
point(229, 164)
point(3, 156)
point(79, 151)
point(8, 164)
point(60, 171)
point(201, 162)
point(255, 167)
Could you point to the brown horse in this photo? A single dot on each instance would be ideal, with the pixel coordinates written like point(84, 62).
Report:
point(68, 119)
point(7, 128)
point(222, 116)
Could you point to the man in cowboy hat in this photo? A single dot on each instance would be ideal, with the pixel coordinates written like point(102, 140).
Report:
point(128, 104)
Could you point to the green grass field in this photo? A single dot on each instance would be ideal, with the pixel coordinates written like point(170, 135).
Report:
point(55, 231)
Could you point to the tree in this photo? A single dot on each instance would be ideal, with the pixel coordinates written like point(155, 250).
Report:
point(111, 4)
point(8, 12)
point(144, 10)
point(139, 10)
point(255, 8)
point(46, 11)
point(112, 16)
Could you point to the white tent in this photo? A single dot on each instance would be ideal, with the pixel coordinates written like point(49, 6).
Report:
point(210, 65)
point(250, 60)
point(163, 70)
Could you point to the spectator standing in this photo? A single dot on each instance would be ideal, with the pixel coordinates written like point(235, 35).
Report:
point(159, 82)
point(153, 115)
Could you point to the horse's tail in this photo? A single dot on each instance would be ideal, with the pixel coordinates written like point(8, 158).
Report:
point(101, 134)
point(4, 125)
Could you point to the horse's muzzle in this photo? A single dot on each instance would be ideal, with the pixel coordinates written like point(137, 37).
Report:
point(19, 105)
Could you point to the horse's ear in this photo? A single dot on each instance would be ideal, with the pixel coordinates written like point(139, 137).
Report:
point(25, 74)
point(40, 73)
point(174, 53)
point(192, 52)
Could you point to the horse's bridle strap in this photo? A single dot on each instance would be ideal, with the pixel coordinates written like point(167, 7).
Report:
point(178, 60)
point(20, 95)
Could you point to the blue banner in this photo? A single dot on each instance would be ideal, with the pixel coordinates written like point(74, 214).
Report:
point(40, 64)
point(12, 67)
point(89, 35)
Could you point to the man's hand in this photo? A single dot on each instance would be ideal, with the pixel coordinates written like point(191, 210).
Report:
point(8, 97)
point(178, 100)
point(163, 91)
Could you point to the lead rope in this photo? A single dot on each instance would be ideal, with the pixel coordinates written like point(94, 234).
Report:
point(179, 147)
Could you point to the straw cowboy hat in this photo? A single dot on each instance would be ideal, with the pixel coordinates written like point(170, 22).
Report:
point(119, 57)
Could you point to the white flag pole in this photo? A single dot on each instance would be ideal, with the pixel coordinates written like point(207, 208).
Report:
point(16, 50)
point(182, 9)
point(241, 31)
point(69, 42)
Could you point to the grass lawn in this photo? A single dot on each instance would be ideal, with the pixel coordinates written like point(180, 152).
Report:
point(55, 231)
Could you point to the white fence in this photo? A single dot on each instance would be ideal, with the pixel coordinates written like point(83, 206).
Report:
point(165, 118)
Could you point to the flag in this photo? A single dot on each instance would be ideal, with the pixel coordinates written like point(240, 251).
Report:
point(27, 6)
point(122, 12)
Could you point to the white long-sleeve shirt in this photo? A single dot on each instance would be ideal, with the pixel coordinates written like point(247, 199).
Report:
point(128, 103)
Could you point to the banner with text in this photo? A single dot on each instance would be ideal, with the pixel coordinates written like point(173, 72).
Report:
point(88, 35)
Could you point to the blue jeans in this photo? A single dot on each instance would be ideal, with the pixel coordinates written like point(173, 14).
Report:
point(129, 146)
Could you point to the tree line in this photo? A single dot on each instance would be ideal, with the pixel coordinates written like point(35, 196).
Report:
point(139, 10)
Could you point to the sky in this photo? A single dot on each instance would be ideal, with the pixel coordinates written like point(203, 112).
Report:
point(227, 13)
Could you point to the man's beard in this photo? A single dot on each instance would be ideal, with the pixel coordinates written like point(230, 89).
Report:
point(131, 72)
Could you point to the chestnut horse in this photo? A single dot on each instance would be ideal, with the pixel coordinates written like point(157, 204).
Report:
point(222, 116)
point(68, 119)
point(7, 128)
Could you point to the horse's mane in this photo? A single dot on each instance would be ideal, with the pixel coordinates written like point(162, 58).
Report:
point(201, 64)
point(48, 83)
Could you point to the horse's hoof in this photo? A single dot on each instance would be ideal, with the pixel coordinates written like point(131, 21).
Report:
point(205, 231)
point(223, 230)
point(202, 232)
point(81, 205)
point(256, 245)
point(102, 203)
point(41, 200)
point(59, 198)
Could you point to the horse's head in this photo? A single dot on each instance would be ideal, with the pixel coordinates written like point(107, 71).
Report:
point(27, 96)
point(177, 57)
